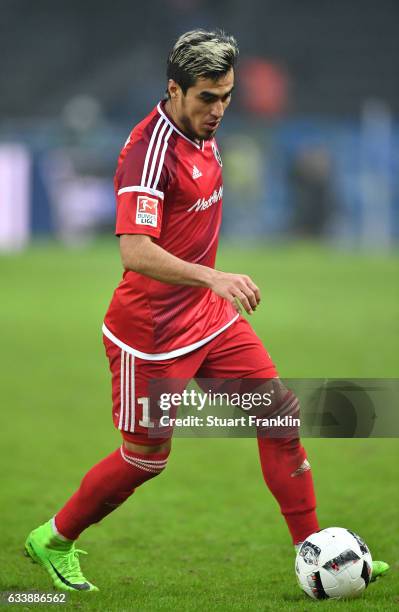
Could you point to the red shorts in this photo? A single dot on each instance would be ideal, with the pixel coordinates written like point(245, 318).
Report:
point(235, 353)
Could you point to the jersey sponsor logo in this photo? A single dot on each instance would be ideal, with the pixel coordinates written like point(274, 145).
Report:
point(196, 173)
point(147, 211)
point(217, 154)
point(202, 204)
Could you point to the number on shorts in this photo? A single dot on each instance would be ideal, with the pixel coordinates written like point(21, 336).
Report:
point(145, 421)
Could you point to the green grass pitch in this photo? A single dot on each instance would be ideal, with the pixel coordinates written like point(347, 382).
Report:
point(206, 534)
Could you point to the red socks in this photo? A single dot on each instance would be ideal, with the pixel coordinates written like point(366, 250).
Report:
point(287, 474)
point(107, 485)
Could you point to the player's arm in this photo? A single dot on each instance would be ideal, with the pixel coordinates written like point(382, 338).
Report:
point(140, 254)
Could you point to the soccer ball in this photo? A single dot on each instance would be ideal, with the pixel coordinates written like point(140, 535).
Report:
point(333, 563)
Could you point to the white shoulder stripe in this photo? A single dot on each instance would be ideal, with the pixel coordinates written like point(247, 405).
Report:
point(149, 150)
point(160, 165)
point(155, 155)
point(154, 192)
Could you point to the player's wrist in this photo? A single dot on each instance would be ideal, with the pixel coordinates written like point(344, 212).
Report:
point(206, 276)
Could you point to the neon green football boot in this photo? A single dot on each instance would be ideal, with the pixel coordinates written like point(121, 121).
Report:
point(59, 557)
point(379, 570)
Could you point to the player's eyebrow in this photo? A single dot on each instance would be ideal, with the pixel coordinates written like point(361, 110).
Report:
point(209, 95)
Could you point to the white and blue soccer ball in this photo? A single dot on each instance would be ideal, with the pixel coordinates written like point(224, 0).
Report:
point(333, 563)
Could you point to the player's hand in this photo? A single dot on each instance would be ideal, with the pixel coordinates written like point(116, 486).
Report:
point(238, 289)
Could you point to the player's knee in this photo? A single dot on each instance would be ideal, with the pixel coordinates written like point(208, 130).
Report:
point(286, 403)
point(150, 460)
point(282, 441)
point(283, 402)
point(147, 449)
point(281, 418)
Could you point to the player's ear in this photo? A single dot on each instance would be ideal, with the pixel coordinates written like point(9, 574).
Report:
point(173, 89)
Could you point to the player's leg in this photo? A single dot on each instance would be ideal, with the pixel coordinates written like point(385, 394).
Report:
point(285, 466)
point(239, 353)
point(106, 485)
point(298, 510)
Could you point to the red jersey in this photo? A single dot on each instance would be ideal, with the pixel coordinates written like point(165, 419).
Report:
point(168, 187)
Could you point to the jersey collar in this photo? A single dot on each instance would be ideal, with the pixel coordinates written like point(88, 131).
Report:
point(162, 112)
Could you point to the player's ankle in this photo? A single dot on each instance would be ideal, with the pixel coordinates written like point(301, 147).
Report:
point(57, 538)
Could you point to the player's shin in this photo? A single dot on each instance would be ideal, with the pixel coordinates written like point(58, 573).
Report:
point(105, 487)
point(288, 475)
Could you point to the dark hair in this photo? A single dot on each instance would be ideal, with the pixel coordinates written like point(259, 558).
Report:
point(199, 53)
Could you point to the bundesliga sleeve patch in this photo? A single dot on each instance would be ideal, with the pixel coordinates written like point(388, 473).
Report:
point(147, 211)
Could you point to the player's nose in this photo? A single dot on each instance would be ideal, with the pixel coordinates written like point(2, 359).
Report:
point(218, 110)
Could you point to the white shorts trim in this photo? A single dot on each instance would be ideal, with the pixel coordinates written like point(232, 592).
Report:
point(160, 356)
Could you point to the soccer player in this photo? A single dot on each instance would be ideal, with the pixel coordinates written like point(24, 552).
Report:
point(173, 316)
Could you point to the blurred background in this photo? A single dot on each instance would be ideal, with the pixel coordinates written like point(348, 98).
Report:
point(309, 144)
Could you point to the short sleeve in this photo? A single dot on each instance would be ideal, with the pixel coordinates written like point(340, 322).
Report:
point(140, 185)
point(138, 212)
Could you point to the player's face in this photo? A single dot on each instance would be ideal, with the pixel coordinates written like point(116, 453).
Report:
point(201, 109)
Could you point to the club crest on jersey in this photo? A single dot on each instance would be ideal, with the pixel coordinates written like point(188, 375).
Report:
point(147, 211)
point(217, 154)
